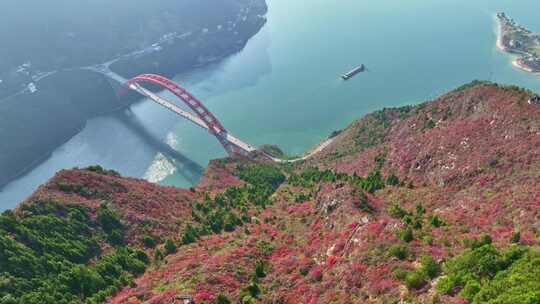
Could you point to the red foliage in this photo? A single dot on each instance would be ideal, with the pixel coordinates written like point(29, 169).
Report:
point(331, 261)
point(316, 274)
point(477, 170)
point(204, 295)
point(165, 297)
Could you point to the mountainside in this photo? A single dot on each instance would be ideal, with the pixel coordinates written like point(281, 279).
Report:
point(434, 203)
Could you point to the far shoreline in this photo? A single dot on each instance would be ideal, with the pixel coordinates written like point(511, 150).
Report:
point(515, 61)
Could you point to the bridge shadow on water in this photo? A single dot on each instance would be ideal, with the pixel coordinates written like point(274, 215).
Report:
point(188, 168)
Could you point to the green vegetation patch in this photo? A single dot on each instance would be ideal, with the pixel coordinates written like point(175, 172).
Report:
point(262, 176)
point(373, 131)
point(418, 278)
point(372, 182)
point(231, 208)
point(50, 253)
point(484, 274)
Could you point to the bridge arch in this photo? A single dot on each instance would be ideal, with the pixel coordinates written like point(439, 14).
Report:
point(211, 122)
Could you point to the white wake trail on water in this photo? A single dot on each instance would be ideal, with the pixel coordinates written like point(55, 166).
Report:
point(161, 166)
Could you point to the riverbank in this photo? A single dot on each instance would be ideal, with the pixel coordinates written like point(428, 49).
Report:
point(520, 65)
point(499, 33)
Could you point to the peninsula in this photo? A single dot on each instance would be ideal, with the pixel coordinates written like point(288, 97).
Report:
point(516, 39)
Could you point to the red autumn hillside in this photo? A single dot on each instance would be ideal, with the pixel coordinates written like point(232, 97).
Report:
point(145, 208)
point(388, 212)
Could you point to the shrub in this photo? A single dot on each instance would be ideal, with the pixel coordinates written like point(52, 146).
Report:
point(189, 235)
point(428, 239)
point(392, 180)
point(259, 269)
point(252, 290)
point(149, 241)
point(373, 182)
point(396, 211)
point(435, 221)
point(516, 237)
point(420, 209)
point(415, 280)
point(247, 299)
point(399, 251)
point(471, 288)
point(429, 124)
point(301, 197)
point(417, 222)
point(141, 256)
point(158, 255)
point(96, 169)
point(446, 285)
point(108, 219)
point(363, 203)
point(230, 222)
point(429, 266)
point(264, 247)
point(116, 237)
point(170, 247)
point(379, 161)
point(221, 299)
point(477, 243)
point(400, 274)
point(406, 234)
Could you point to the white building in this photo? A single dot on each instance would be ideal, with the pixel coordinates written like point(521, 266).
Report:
point(32, 87)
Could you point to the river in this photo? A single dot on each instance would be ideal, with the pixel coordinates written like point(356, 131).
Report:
point(284, 87)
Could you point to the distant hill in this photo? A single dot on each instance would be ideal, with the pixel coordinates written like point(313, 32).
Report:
point(66, 33)
point(434, 203)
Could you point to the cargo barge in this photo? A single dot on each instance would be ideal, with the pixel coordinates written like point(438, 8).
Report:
point(353, 72)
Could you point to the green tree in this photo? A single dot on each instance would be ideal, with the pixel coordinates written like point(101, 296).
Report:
point(222, 299)
point(170, 247)
point(158, 256)
point(399, 251)
point(149, 241)
point(429, 266)
point(396, 211)
point(435, 221)
point(415, 280)
point(108, 219)
point(189, 235)
point(392, 180)
point(406, 234)
point(259, 269)
point(516, 237)
point(83, 281)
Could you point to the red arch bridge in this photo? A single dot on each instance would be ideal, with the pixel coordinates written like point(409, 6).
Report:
point(201, 116)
